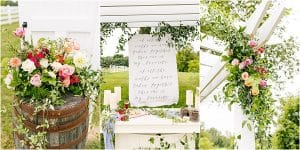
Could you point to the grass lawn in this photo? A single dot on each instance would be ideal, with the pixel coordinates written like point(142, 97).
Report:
point(187, 81)
point(7, 141)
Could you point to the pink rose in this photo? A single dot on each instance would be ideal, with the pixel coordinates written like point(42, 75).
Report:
point(15, 62)
point(235, 62)
point(245, 75)
point(248, 61)
point(66, 71)
point(20, 32)
point(36, 80)
point(242, 65)
point(263, 83)
point(76, 46)
point(252, 43)
point(66, 82)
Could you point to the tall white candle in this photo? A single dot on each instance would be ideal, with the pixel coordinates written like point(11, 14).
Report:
point(197, 98)
point(189, 97)
point(106, 97)
point(118, 90)
point(113, 102)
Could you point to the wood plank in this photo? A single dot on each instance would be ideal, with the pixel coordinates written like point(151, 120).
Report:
point(146, 2)
point(257, 16)
point(150, 18)
point(149, 10)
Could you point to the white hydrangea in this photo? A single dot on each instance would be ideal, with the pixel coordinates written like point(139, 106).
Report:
point(56, 66)
point(28, 66)
point(80, 60)
point(44, 63)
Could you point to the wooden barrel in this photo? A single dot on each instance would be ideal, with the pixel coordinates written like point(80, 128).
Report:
point(68, 123)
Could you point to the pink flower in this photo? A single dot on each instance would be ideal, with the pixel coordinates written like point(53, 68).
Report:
point(263, 83)
point(76, 46)
point(66, 71)
point(66, 82)
point(248, 61)
point(36, 80)
point(245, 75)
point(242, 65)
point(15, 62)
point(235, 62)
point(261, 50)
point(252, 43)
point(20, 32)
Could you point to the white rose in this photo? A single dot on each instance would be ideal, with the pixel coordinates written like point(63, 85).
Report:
point(28, 66)
point(44, 63)
point(8, 79)
point(52, 74)
point(80, 60)
point(56, 66)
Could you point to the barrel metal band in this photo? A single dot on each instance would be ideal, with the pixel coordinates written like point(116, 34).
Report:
point(61, 128)
point(53, 114)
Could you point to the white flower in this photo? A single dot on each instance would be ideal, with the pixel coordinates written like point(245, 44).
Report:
point(8, 79)
point(56, 66)
point(80, 60)
point(52, 74)
point(44, 63)
point(28, 66)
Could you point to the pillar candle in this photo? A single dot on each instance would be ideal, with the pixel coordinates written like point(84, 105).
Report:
point(113, 102)
point(189, 97)
point(117, 90)
point(197, 98)
point(106, 97)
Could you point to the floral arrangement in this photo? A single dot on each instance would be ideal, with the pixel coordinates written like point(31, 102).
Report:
point(247, 83)
point(49, 70)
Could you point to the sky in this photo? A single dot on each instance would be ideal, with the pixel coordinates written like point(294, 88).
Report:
point(217, 114)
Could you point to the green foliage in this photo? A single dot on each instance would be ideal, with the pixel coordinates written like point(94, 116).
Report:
point(287, 133)
point(8, 3)
point(117, 60)
point(187, 60)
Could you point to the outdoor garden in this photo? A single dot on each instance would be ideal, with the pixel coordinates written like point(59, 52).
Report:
point(134, 78)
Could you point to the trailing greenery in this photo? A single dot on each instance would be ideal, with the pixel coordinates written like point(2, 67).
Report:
point(287, 133)
point(181, 36)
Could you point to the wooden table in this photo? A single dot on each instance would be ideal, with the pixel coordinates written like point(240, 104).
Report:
point(136, 132)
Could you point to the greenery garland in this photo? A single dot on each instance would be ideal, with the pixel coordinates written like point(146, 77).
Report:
point(248, 83)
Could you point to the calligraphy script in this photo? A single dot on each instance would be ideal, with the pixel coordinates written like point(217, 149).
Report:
point(153, 79)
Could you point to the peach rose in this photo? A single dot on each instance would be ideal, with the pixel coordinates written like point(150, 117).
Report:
point(245, 75)
point(248, 83)
point(76, 46)
point(235, 62)
point(254, 91)
point(15, 62)
point(66, 82)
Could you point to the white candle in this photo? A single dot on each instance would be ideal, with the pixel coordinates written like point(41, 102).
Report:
point(197, 98)
point(106, 97)
point(113, 102)
point(118, 90)
point(189, 97)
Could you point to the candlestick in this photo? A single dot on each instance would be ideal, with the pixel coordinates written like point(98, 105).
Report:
point(118, 91)
point(113, 102)
point(106, 97)
point(189, 97)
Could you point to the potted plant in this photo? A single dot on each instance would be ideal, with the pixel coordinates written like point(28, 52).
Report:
point(53, 84)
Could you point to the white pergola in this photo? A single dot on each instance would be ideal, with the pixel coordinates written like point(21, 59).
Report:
point(81, 20)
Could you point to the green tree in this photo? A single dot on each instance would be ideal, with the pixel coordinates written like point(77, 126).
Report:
point(287, 133)
point(183, 58)
point(193, 65)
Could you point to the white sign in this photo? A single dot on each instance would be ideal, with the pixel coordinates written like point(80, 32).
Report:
point(153, 79)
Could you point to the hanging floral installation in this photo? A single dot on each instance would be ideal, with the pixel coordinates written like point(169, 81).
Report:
point(248, 82)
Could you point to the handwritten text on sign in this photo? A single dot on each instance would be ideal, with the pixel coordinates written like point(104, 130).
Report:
point(153, 79)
